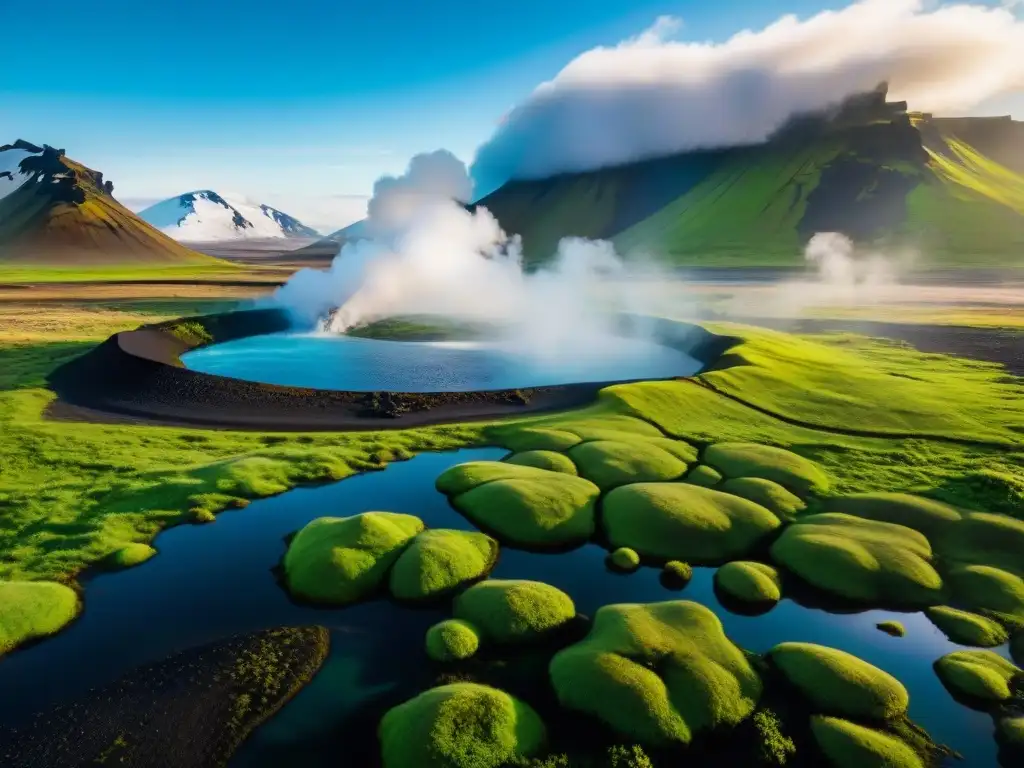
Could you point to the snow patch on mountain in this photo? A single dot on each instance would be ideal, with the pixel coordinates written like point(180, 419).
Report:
point(11, 176)
point(205, 216)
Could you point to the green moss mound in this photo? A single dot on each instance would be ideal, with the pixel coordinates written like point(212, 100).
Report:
point(848, 745)
point(440, 561)
point(338, 560)
point(463, 725)
point(513, 611)
point(658, 673)
point(129, 555)
point(33, 609)
point(523, 506)
point(520, 439)
point(894, 628)
point(624, 559)
point(979, 675)
point(611, 463)
point(452, 640)
point(836, 682)
point(980, 538)
point(967, 628)
point(860, 559)
point(752, 460)
point(676, 574)
point(769, 495)
point(1010, 737)
point(749, 582)
point(552, 461)
point(681, 450)
point(704, 476)
point(930, 517)
point(983, 587)
point(675, 521)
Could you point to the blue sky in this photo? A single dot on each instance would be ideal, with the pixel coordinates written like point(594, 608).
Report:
point(300, 104)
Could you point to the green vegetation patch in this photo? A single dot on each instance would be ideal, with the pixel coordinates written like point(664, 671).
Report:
point(438, 562)
point(523, 506)
point(452, 640)
point(890, 627)
point(33, 609)
point(658, 673)
point(513, 611)
point(849, 745)
point(611, 463)
point(978, 675)
point(776, 464)
point(132, 554)
point(462, 725)
point(192, 332)
point(676, 574)
point(675, 521)
point(552, 461)
point(992, 590)
point(967, 628)
point(864, 560)
point(749, 582)
point(980, 538)
point(836, 682)
point(1010, 737)
point(624, 559)
point(704, 476)
point(526, 438)
point(768, 494)
point(930, 517)
point(338, 560)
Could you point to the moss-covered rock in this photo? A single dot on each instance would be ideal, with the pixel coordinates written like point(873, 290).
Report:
point(610, 463)
point(523, 506)
point(33, 609)
point(967, 628)
point(704, 476)
point(752, 460)
point(519, 439)
point(836, 682)
point(993, 590)
point(771, 496)
point(893, 628)
point(129, 555)
point(1010, 737)
point(676, 574)
point(930, 517)
point(849, 745)
point(513, 611)
point(452, 640)
point(338, 560)
point(657, 673)
point(977, 675)
point(749, 582)
point(675, 521)
point(438, 562)
point(552, 461)
point(860, 559)
point(462, 725)
point(624, 559)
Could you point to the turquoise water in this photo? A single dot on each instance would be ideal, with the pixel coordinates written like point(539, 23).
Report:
point(329, 361)
point(212, 581)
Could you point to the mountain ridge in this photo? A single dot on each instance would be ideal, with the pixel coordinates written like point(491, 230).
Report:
point(206, 216)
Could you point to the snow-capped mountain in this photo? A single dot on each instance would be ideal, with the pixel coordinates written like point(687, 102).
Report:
point(205, 216)
point(11, 175)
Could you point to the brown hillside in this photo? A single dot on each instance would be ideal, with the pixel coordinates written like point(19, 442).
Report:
point(66, 213)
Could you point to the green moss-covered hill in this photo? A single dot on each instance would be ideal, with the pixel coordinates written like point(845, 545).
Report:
point(65, 213)
point(952, 187)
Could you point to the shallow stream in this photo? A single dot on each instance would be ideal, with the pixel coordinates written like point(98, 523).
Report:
point(211, 581)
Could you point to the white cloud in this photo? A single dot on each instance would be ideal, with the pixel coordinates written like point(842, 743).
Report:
point(650, 96)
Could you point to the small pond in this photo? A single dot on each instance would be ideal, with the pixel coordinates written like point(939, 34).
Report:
point(212, 581)
point(331, 361)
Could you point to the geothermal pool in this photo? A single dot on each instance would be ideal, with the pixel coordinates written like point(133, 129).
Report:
point(329, 361)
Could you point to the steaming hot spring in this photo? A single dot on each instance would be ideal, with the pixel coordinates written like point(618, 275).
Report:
point(425, 353)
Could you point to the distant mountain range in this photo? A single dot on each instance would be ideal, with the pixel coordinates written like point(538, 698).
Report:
point(55, 210)
point(205, 216)
point(953, 187)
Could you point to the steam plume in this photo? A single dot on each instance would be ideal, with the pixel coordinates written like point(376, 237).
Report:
point(650, 96)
